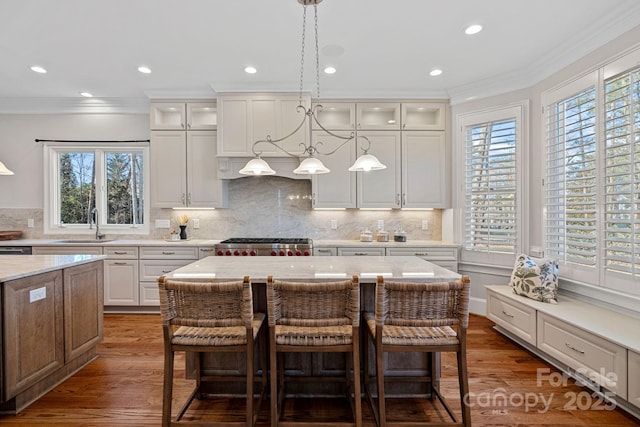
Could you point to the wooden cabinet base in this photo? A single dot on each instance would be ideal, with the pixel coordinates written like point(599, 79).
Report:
point(33, 393)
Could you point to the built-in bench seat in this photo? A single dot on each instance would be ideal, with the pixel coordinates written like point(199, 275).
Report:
point(596, 345)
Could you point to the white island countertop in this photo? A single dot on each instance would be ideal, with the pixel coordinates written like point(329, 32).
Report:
point(403, 268)
point(14, 267)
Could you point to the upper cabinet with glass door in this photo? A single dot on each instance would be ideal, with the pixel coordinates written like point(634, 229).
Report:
point(183, 116)
point(424, 116)
point(378, 115)
point(336, 116)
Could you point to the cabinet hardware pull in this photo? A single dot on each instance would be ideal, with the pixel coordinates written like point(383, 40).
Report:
point(120, 252)
point(166, 271)
point(573, 348)
point(206, 250)
point(404, 199)
point(507, 314)
point(189, 199)
point(324, 251)
point(398, 199)
point(168, 253)
point(120, 263)
point(189, 125)
point(404, 125)
point(183, 200)
point(182, 125)
point(421, 254)
point(360, 253)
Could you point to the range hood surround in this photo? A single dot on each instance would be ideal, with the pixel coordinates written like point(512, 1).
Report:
point(229, 167)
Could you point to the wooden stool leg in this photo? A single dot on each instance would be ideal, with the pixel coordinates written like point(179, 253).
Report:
point(167, 392)
point(273, 362)
point(249, 377)
point(356, 382)
point(464, 388)
point(382, 414)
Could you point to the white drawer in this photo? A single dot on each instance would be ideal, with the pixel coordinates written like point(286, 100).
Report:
point(596, 358)
point(205, 251)
point(149, 294)
point(360, 252)
point(121, 252)
point(169, 252)
point(427, 253)
point(516, 318)
point(325, 251)
point(634, 376)
point(151, 269)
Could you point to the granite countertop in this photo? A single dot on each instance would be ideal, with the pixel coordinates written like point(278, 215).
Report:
point(320, 243)
point(18, 266)
point(405, 268)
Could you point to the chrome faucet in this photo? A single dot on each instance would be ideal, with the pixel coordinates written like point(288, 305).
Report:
point(94, 220)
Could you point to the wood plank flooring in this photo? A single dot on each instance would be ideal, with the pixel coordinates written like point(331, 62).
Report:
point(124, 387)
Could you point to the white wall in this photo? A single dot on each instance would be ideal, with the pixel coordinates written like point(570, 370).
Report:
point(20, 153)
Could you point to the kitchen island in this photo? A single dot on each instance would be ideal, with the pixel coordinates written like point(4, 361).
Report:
point(52, 319)
point(325, 268)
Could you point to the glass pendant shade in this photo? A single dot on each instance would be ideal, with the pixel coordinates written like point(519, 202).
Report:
point(366, 163)
point(257, 167)
point(311, 166)
point(4, 170)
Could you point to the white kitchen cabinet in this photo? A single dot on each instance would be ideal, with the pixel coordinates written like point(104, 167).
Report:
point(517, 318)
point(205, 251)
point(424, 116)
point(425, 171)
point(336, 189)
point(67, 250)
point(381, 188)
point(359, 116)
point(634, 373)
point(445, 257)
point(336, 116)
point(183, 115)
point(359, 251)
point(246, 118)
point(183, 170)
point(378, 115)
point(121, 276)
point(156, 261)
point(325, 251)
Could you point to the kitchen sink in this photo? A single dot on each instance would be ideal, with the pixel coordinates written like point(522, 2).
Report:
point(72, 241)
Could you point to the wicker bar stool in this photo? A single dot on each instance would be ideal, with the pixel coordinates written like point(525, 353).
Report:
point(418, 317)
point(314, 317)
point(203, 317)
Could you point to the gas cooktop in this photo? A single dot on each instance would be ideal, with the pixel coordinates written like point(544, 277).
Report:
point(267, 240)
point(265, 246)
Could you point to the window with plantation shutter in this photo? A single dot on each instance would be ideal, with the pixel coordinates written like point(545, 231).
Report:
point(622, 174)
point(491, 187)
point(571, 180)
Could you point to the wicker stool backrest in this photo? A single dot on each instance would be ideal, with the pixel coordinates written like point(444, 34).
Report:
point(313, 303)
point(422, 304)
point(206, 304)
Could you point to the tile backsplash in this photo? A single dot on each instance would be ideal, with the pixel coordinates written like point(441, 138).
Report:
point(263, 207)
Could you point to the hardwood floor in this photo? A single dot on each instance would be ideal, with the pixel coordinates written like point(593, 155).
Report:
point(124, 387)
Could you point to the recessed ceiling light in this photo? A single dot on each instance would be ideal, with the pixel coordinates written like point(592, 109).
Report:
point(435, 72)
point(144, 70)
point(473, 29)
point(329, 70)
point(38, 69)
point(86, 94)
point(250, 70)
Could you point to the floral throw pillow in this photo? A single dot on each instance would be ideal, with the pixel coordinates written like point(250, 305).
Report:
point(535, 280)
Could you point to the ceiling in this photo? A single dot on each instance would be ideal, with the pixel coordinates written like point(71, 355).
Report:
point(380, 48)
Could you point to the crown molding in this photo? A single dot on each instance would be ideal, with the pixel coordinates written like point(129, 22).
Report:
point(74, 106)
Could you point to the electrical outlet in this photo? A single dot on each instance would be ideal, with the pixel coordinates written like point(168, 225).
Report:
point(334, 224)
point(30, 223)
point(425, 224)
point(163, 223)
point(196, 223)
point(381, 224)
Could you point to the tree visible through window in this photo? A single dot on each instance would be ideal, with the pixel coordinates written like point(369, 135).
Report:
point(491, 181)
point(111, 180)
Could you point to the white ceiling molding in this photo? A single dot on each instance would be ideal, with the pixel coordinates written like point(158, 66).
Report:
point(74, 106)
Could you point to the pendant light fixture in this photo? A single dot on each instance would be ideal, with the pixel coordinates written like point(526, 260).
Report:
point(311, 165)
point(4, 170)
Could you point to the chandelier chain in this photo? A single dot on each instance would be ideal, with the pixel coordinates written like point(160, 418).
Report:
point(315, 8)
point(304, 31)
